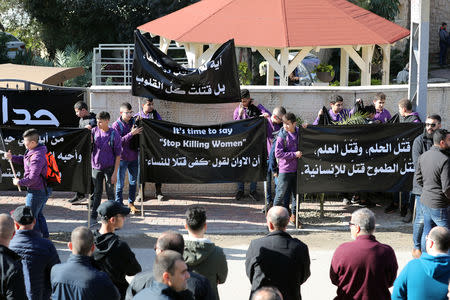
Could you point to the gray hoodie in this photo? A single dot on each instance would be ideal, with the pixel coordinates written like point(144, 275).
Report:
point(204, 257)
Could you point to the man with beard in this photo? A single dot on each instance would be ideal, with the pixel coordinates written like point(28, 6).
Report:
point(421, 144)
point(433, 175)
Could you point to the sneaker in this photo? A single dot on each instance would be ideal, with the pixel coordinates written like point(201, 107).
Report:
point(161, 197)
point(367, 203)
point(133, 209)
point(416, 253)
point(269, 206)
point(76, 199)
point(345, 201)
point(391, 208)
point(408, 217)
point(239, 195)
point(355, 199)
point(254, 195)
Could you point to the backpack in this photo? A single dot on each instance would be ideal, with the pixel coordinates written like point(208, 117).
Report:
point(53, 174)
point(273, 161)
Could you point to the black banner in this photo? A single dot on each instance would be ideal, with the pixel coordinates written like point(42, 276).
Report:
point(71, 148)
point(357, 158)
point(39, 107)
point(156, 75)
point(177, 153)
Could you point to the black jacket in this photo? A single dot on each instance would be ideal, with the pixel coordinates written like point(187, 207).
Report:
point(197, 285)
point(160, 291)
point(115, 258)
point(78, 279)
point(88, 120)
point(12, 283)
point(421, 145)
point(433, 174)
point(278, 260)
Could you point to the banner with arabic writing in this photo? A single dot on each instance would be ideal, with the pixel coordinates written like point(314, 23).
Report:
point(39, 107)
point(178, 153)
point(70, 146)
point(156, 75)
point(357, 158)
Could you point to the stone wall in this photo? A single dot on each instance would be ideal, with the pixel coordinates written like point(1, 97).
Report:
point(303, 101)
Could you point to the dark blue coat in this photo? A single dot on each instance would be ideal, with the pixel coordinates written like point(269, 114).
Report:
point(11, 275)
point(78, 279)
point(38, 257)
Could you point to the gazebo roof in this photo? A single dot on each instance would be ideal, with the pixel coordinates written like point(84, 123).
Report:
point(276, 24)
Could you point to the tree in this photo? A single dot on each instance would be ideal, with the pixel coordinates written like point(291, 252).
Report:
point(387, 9)
point(87, 23)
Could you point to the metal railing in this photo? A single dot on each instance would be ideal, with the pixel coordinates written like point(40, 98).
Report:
point(19, 84)
point(112, 63)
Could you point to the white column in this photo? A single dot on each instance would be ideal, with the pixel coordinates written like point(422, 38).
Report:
point(343, 80)
point(366, 74)
point(270, 70)
point(386, 64)
point(284, 66)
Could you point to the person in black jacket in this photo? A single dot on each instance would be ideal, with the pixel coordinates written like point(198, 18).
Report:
point(12, 285)
point(421, 144)
point(197, 285)
point(278, 259)
point(77, 278)
point(433, 175)
point(111, 254)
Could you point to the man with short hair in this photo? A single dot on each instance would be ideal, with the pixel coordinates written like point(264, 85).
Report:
point(248, 109)
point(126, 127)
point(34, 178)
point(363, 268)
point(382, 115)
point(433, 175)
point(274, 124)
point(421, 144)
point(202, 255)
point(171, 274)
point(12, 285)
point(405, 110)
point(278, 259)
point(197, 285)
point(105, 161)
point(337, 111)
point(149, 112)
point(77, 278)
point(267, 293)
point(88, 121)
point(428, 276)
point(38, 254)
point(111, 254)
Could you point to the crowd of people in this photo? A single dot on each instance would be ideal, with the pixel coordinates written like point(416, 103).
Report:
point(191, 267)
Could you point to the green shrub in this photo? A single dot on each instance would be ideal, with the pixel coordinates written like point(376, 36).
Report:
point(245, 74)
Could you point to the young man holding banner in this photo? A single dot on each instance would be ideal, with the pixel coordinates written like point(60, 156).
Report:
point(126, 127)
point(148, 112)
point(286, 151)
point(106, 151)
point(247, 110)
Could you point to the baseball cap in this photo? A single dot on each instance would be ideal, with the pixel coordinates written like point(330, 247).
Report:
point(109, 209)
point(23, 215)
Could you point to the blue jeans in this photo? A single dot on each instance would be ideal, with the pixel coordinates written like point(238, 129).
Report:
point(97, 178)
point(240, 186)
point(269, 198)
point(418, 223)
point(36, 199)
point(132, 167)
point(433, 217)
point(442, 53)
point(286, 189)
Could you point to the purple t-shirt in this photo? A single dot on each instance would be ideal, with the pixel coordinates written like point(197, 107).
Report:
point(344, 113)
point(128, 154)
point(103, 154)
point(382, 116)
point(285, 152)
point(245, 115)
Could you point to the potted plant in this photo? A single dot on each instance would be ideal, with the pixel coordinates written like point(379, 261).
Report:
point(324, 72)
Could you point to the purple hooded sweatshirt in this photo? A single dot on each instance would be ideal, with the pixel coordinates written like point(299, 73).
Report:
point(336, 117)
point(103, 155)
point(128, 154)
point(382, 116)
point(285, 152)
point(35, 167)
point(245, 116)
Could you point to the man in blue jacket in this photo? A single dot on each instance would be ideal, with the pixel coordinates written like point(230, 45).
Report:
point(38, 254)
point(428, 276)
point(77, 278)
